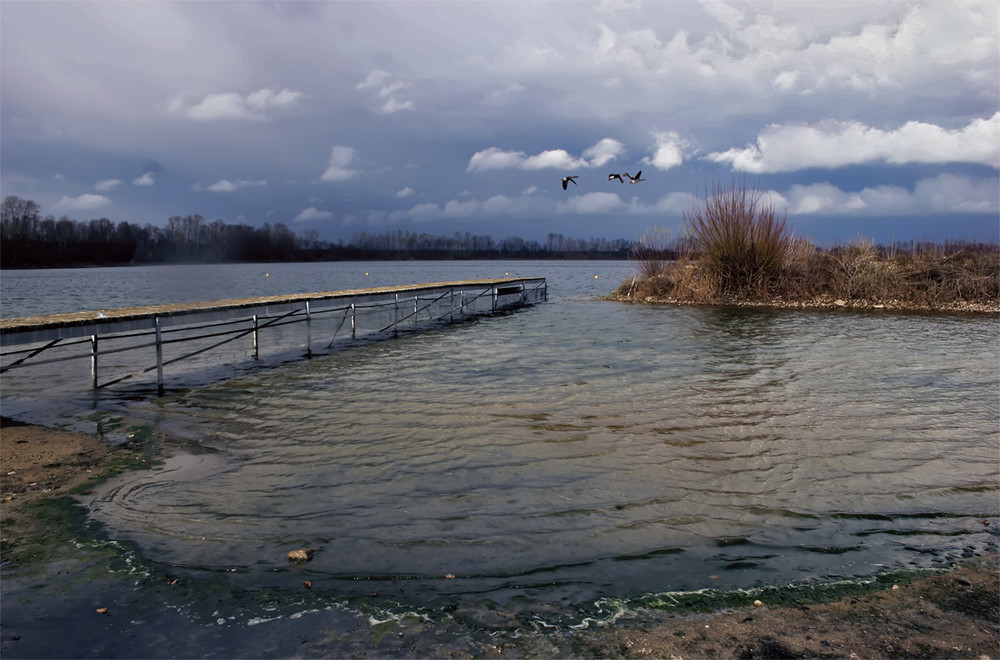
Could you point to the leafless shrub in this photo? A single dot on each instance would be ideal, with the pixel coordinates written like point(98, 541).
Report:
point(740, 237)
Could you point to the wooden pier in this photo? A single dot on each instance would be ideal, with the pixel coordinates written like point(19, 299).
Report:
point(203, 326)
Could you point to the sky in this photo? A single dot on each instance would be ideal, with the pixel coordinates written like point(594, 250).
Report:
point(854, 118)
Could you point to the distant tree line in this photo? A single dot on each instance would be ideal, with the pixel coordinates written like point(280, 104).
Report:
point(27, 240)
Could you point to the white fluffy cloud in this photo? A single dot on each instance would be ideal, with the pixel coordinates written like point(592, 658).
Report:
point(405, 192)
point(85, 202)
point(668, 151)
point(227, 186)
point(945, 193)
point(785, 148)
point(388, 89)
point(107, 185)
point(339, 168)
point(147, 179)
point(595, 202)
point(312, 213)
point(234, 106)
point(494, 158)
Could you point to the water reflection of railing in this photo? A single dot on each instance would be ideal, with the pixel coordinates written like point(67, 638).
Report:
point(196, 328)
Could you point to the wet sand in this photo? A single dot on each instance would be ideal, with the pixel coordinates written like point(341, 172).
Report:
point(950, 615)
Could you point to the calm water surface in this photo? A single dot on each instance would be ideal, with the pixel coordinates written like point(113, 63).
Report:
point(552, 467)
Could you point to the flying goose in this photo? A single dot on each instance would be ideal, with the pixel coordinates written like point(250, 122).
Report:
point(612, 177)
point(635, 179)
point(567, 179)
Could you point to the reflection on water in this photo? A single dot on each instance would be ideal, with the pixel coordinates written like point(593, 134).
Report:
point(582, 450)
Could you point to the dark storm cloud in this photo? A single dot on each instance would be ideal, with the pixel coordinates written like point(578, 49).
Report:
point(442, 117)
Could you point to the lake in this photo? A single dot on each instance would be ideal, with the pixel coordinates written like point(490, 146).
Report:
point(530, 474)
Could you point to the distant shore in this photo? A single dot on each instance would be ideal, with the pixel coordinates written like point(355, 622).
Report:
point(955, 614)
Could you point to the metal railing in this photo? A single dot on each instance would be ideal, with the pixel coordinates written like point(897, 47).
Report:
point(114, 340)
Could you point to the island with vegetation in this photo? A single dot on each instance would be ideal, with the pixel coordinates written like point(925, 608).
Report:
point(737, 249)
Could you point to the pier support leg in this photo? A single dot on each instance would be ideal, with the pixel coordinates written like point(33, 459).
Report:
point(159, 356)
point(93, 361)
point(354, 328)
point(308, 331)
point(256, 347)
point(395, 317)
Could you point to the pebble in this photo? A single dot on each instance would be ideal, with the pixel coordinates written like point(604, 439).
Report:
point(758, 603)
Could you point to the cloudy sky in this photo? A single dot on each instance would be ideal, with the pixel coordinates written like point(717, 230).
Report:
point(879, 119)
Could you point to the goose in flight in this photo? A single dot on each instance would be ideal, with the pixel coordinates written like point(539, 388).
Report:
point(636, 178)
point(567, 179)
point(612, 177)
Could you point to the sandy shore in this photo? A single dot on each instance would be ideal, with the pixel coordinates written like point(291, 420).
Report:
point(951, 615)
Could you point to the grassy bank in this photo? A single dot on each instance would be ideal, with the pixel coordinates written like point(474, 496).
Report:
point(736, 249)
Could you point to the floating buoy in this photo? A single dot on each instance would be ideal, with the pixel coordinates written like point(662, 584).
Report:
point(267, 274)
point(595, 277)
point(307, 584)
point(102, 610)
point(366, 274)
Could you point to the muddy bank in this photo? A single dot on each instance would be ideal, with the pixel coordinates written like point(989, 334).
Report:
point(950, 615)
point(39, 465)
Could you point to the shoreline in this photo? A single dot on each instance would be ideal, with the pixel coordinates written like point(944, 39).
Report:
point(819, 303)
point(953, 614)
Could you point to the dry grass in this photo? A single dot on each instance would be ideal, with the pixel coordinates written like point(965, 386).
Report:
point(859, 274)
point(653, 253)
point(740, 251)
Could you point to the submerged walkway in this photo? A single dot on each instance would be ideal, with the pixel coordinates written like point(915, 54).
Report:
point(202, 326)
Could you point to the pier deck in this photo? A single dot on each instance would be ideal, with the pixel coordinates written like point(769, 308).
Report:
point(386, 309)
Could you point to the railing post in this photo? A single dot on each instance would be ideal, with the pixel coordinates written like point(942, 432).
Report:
point(93, 360)
point(159, 356)
point(353, 327)
point(308, 331)
point(256, 348)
